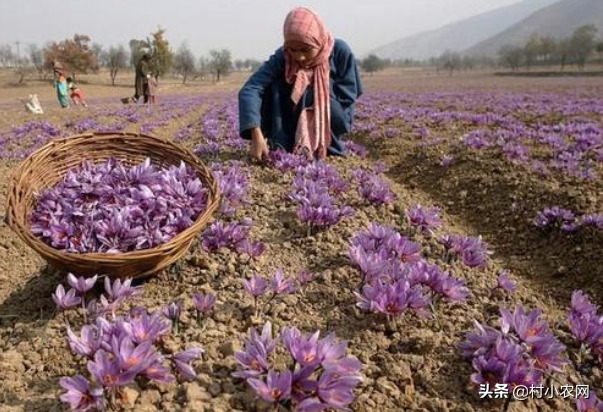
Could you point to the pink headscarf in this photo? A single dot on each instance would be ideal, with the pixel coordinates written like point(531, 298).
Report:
point(314, 126)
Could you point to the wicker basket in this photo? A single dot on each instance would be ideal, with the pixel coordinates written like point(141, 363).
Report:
point(46, 167)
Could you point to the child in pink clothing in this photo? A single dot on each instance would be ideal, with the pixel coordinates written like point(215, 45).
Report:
point(76, 94)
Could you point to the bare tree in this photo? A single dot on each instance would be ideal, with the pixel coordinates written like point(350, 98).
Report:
point(203, 68)
point(23, 68)
point(450, 61)
point(117, 59)
point(36, 57)
point(7, 56)
point(221, 62)
point(531, 51)
point(184, 62)
point(583, 44)
point(511, 56)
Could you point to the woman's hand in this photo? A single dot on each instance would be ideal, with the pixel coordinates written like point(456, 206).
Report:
point(259, 147)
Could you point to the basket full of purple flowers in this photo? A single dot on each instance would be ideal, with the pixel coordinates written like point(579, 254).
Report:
point(124, 205)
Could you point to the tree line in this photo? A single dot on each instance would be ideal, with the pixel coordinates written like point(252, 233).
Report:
point(538, 50)
point(547, 51)
point(79, 55)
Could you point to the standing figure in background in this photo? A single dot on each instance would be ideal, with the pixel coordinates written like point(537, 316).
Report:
point(302, 99)
point(76, 94)
point(143, 74)
point(60, 82)
point(152, 89)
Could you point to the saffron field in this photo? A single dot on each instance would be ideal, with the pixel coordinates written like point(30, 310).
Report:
point(458, 246)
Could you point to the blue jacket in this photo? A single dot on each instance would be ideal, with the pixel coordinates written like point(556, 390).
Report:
point(265, 100)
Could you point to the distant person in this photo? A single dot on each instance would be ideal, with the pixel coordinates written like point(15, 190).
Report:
point(152, 89)
point(60, 82)
point(302, 99)
point(75, 93)
point(143, 74)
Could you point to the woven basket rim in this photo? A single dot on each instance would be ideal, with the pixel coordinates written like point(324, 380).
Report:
point(23, 230)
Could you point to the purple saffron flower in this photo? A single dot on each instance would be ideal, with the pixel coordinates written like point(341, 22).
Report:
point(281, 285)
point(337, 390)
point(447, 160)
point(81, 284)
point(256, 286)
point(356, 149)
point(590, 404)
point(157, 371)
point(80, 395)
point(303, 348)
point(451, 288)
point(425, 219)
point(304, 276)
point(64, 300)
point(255, 356)
point(106, 371)
point(480, 341)
point(520, 373)
point(547, 354)
point(311, 405)
point(254, 359)
point(204, 303)
point(505, 282)
point(277, 387)
point(554, 216)
point(88, 344)
point(145, 328)
point(265, 338)
point(595, 220)
point(130, 357)
point(253, 250)
point(380, 167)
point(581, 304)
point(490, 370)
point(183, 360)
point(172, 311)
point(121, 290)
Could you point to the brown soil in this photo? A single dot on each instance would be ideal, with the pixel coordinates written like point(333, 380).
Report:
point(417, 366)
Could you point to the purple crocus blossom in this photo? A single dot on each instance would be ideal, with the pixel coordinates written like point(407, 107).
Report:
point(256, 286)
point(64, 300)
point(281, 284)
point(183, 360)
point(320, 374)
point(132, 357)
point(172, 311)
point(590, 404)
point(276, 388)
point(143, 328)
point(204, 303)
point(424, 219)
point(89, 342)
point(337, 391)
point(80, 395)
point(119, 290)
point(505, 282)
point(520, 353)
point(106, 371)
point(108, 208)
point(157, 371)
point(451, 288)
point(254, 359)
point(81, 284)
point(302, 348)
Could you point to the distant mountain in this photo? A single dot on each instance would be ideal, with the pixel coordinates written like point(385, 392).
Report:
point(558, 20)
point(462, 34)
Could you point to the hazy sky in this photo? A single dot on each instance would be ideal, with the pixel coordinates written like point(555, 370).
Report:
point(248, 28)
